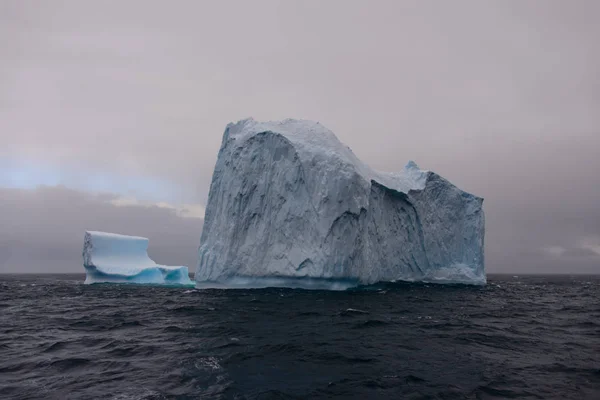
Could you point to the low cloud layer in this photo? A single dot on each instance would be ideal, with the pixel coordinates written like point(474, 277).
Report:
point(543, 239)
point(42, 230)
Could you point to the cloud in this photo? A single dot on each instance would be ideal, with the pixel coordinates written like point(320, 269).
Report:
point(42, 230)
point(184, 210)
point(28, 173)
point(125, 89)
point(591, 244)
point(554, 251)
point(541, 238)
point(584, 247)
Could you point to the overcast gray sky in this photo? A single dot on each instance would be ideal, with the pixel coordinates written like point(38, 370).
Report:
point(112, 113)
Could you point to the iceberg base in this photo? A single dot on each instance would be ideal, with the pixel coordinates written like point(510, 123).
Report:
point(156, 275)
point(258, 282)
point(452, 275)
point(456, 274)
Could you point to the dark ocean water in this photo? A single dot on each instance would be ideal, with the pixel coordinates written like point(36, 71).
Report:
point(518, 337)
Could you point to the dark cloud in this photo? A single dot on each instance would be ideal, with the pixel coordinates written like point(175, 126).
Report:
point(42, 230)
point(542, 238)
point(582, 253)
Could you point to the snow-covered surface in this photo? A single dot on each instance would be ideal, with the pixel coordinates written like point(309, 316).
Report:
point(290, 205)
point(315, 143)
point(109, 257)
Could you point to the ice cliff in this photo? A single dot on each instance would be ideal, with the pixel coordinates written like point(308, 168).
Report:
point(108, 257)
point(290, 205)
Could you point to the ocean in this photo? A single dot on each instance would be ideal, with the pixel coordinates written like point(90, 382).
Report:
point(525, 337)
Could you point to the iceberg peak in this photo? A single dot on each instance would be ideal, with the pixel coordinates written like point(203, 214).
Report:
point(411, 165)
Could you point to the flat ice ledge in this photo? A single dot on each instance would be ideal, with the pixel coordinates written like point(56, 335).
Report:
point(114, 258)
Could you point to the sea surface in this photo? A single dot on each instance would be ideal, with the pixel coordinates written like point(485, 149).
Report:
point(526, 337)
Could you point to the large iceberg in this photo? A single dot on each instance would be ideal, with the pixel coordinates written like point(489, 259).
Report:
point(108, 257)
point(290, 205)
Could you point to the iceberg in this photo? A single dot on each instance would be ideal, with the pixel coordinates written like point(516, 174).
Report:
point(290, 205)
point(113, 258)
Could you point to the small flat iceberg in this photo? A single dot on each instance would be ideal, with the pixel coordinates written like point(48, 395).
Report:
point(113, 258)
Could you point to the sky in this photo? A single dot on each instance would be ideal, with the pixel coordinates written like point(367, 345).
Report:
point(112, 113)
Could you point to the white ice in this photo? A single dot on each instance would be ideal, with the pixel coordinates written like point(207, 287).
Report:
point(113, 258)
point(290, 205)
